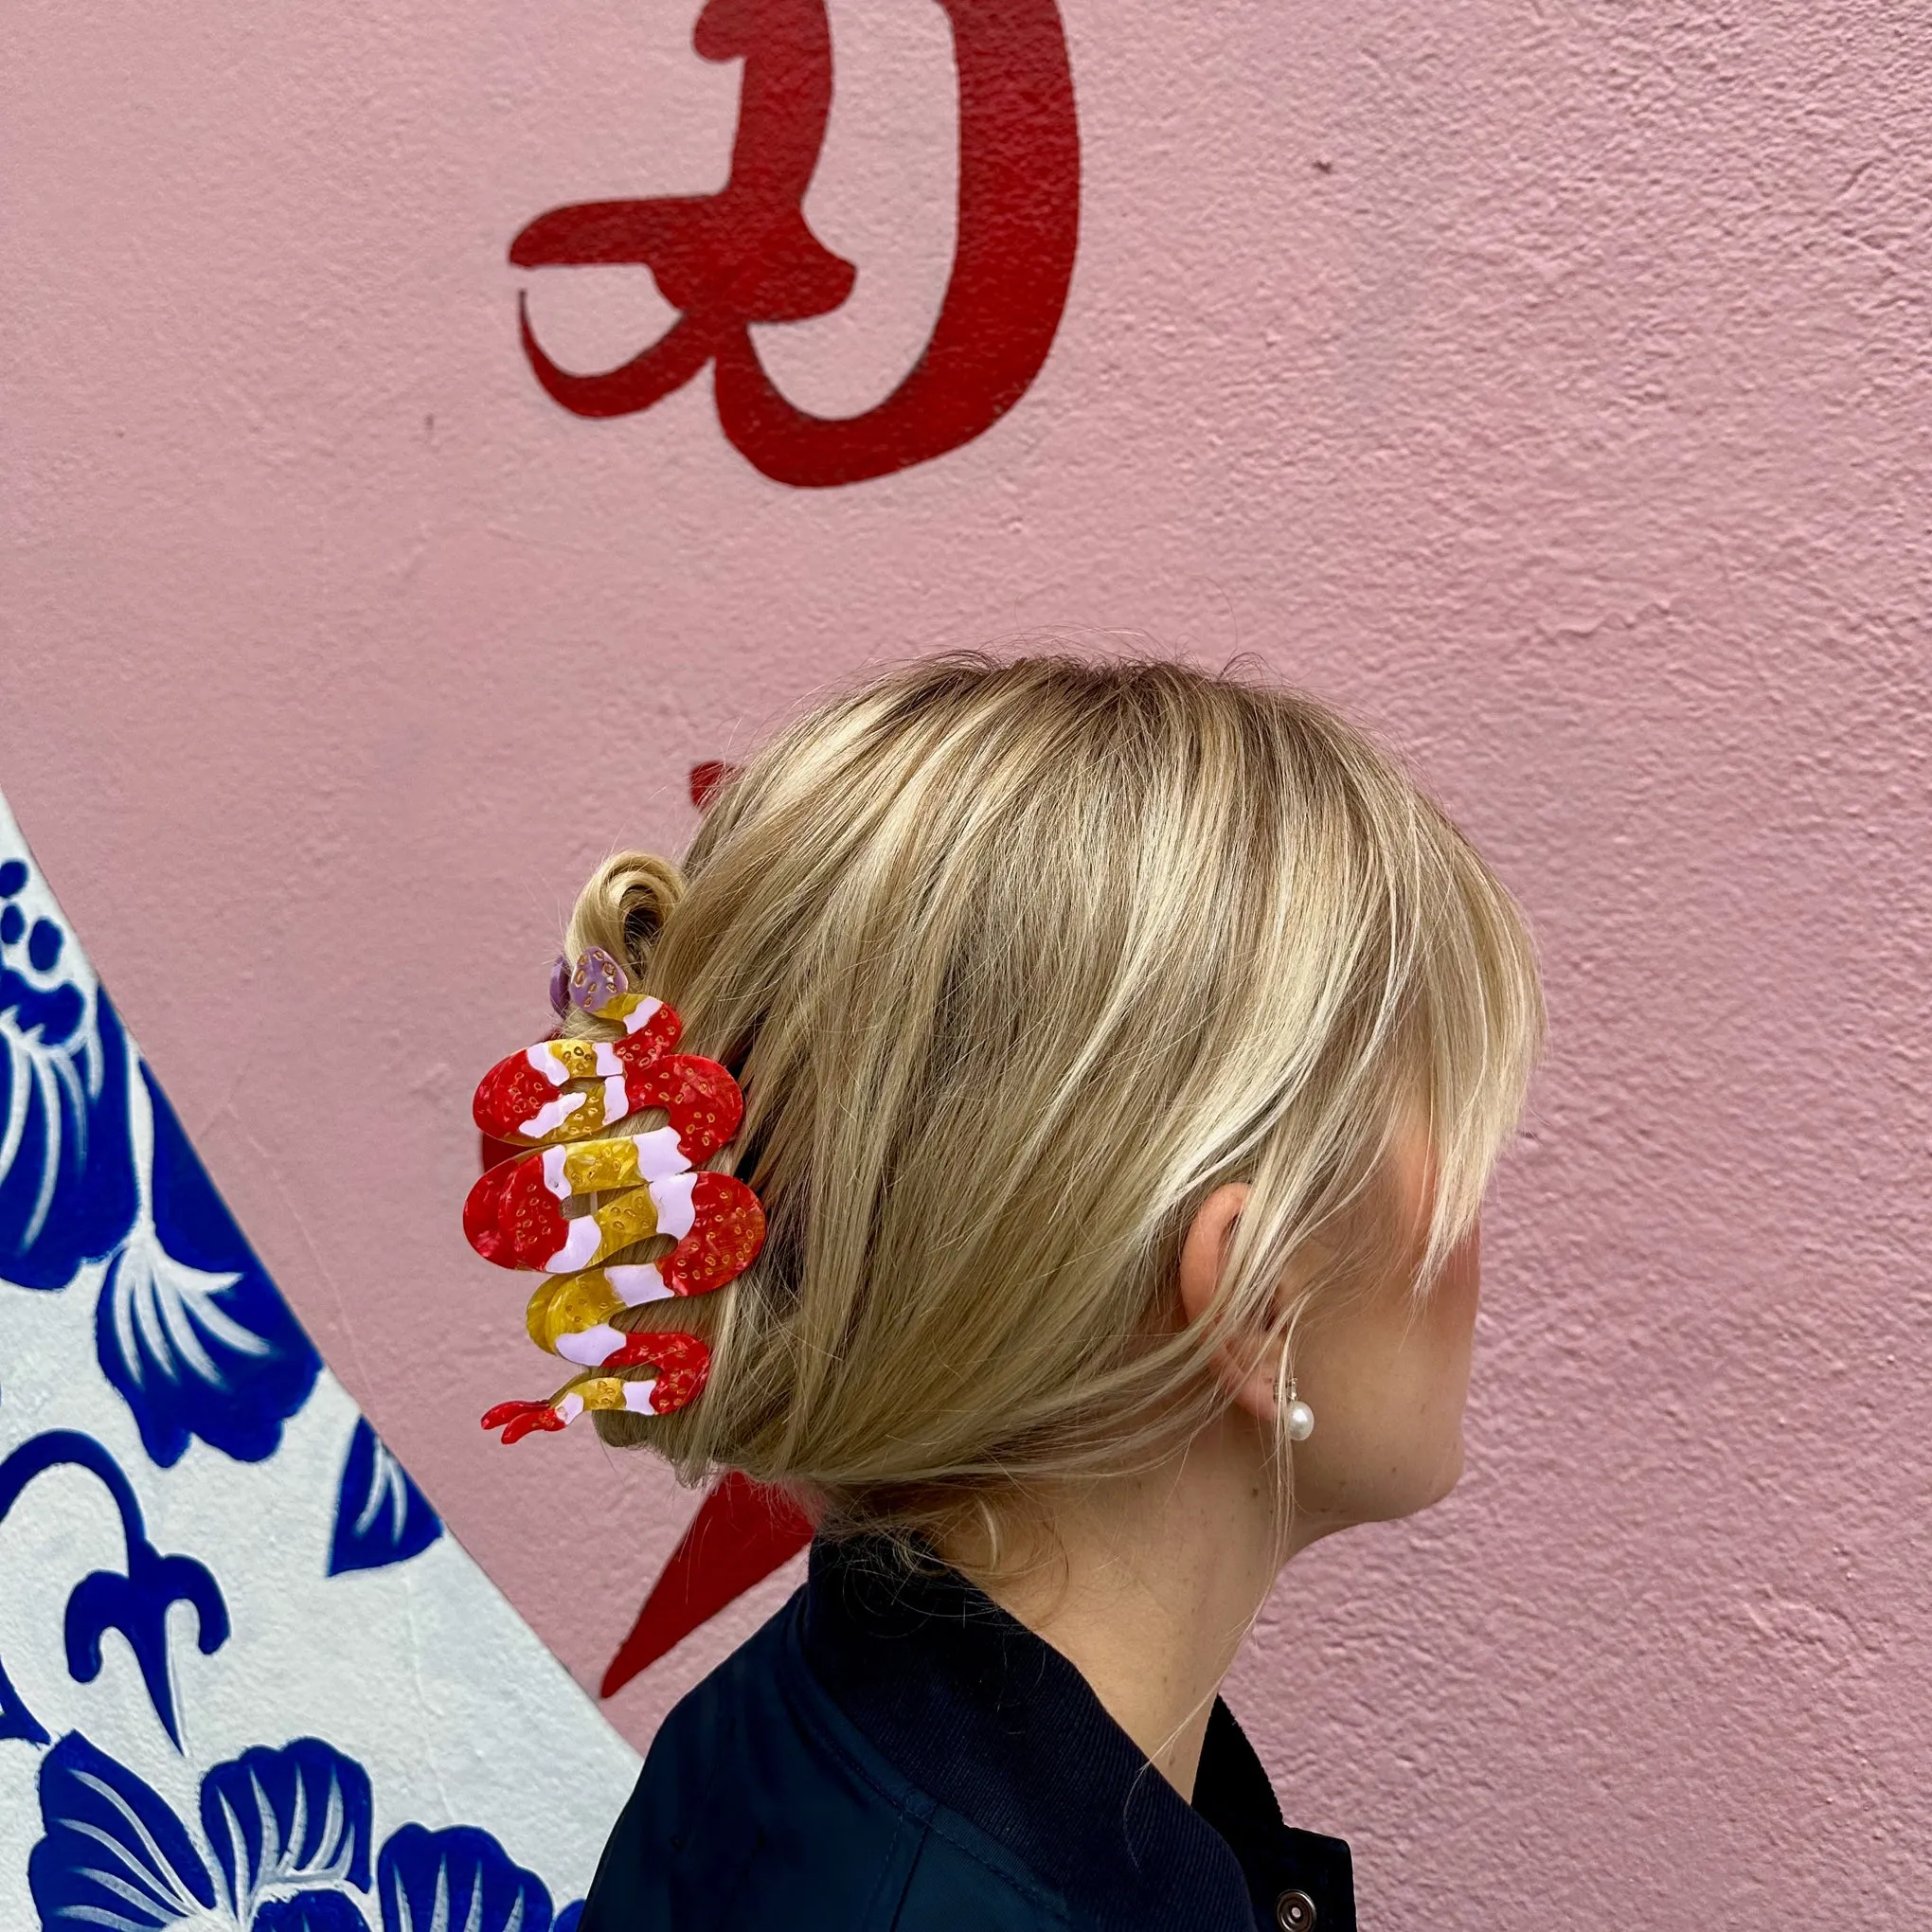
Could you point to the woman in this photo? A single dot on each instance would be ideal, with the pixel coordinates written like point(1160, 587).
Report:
point(1124, 1052)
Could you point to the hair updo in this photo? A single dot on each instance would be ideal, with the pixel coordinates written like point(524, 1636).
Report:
point(1015, 963)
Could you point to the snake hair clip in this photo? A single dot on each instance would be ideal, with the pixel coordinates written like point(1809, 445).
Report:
point(585, 1194)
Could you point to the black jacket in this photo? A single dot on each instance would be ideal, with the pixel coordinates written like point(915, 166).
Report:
point(894, 1753)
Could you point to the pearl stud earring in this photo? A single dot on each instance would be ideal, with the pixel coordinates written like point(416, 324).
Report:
point(1300, 1418)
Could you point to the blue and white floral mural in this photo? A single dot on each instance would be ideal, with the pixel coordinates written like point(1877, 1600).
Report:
point(286, 1838)
point(246, 1680)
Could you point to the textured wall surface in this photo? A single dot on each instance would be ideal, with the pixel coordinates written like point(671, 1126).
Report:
point(1546, 380)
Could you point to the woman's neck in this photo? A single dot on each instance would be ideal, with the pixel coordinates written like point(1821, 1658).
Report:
point(1148, 1584)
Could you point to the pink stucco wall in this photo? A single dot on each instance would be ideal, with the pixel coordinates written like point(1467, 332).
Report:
point(1547, 383)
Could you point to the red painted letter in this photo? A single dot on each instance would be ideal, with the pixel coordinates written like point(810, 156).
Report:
point(745, 254)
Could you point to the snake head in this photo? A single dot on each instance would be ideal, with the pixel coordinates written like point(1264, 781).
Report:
point(520, 1418)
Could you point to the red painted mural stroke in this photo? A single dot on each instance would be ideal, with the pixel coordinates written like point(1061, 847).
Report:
point(746, 254)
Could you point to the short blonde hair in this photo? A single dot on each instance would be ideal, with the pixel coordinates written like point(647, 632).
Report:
point(1016, 961)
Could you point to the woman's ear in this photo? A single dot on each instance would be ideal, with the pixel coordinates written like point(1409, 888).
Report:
point(1246, 1368)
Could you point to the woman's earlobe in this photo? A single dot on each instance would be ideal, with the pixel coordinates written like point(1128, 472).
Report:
point(1246, 1370)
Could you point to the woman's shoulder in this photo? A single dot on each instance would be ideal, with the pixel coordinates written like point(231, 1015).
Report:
point(895, 1751)
point(761, 1804)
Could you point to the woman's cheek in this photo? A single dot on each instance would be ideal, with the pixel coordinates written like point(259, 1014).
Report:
point(1389, 1388)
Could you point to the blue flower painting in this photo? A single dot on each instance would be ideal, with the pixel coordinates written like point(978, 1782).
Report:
point(284, 1845)
point(204, 1544)
point(134, 1602)
point(188, 1327)
point(381, 1516)
point(100, 1193)
point(66, 1177)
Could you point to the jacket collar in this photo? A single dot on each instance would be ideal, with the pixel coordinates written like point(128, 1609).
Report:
point(996, 1725)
